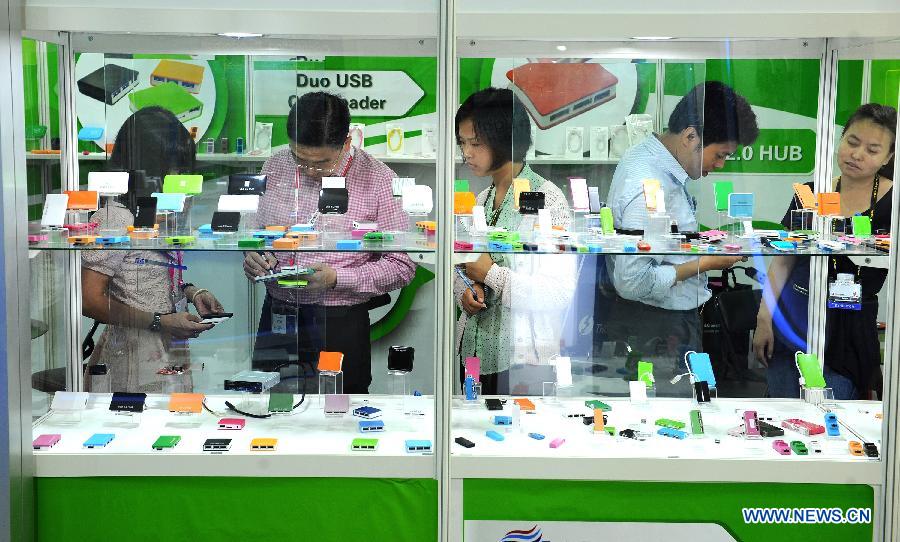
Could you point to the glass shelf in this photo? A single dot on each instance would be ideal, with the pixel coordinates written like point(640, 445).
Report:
point(404, 159)
point(586, 243)
point(212, 245)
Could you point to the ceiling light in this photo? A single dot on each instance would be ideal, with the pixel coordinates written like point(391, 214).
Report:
point(561, 47)
point(652, 38)
point(239, 35)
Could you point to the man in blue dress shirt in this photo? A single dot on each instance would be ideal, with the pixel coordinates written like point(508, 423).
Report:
point(655, 306)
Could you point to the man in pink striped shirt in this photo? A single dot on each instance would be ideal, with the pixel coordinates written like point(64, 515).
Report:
point(331, 313)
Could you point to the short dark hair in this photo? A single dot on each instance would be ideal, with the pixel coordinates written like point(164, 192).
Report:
point(500, 121)
point(880, 115)
point(318, 119)
point(155, 142)
point(718, 112)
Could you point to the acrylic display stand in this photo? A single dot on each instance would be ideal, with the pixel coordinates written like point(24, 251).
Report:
point(55, 234)
point(104, 213)
point(721, 218)
point(463, 225)
point(398, 383)
point(247, 219)
point(803, 220)
point(416, 233)
point(832, 227)
point(125, 420)
point(333, 227)
point(330, 383)
point(415, 405)
point(100, 383)
point(658, 227)
point(816, 396)
point(549, 392)
point(66, 417)
point(591, 223)
point(527, 226)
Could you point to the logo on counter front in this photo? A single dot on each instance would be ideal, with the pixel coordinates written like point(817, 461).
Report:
point(533, 535)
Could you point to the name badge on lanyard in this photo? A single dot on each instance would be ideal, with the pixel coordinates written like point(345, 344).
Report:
point(176, 279)
point(845, 293)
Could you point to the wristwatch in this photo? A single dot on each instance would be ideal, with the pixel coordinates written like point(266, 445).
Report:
point(157, 322)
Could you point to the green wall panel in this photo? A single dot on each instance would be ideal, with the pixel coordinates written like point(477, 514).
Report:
point(196, 509)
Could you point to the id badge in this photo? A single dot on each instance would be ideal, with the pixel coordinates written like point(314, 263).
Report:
point(845, 293)
point(284, 324)
point(279, 324)
point(181, 305)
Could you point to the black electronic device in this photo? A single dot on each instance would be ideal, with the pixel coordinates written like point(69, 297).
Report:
point(493, 404)
point(400, 359)
point(127, 402)
point(871, 449)
point(215, 317)
point(246, 184)
point(589, 420)
point(217, 445)
point(701, 391)
point(145, 212)
point(531, 202)
point(109, 83)
point(333, 201)
point(225, 221)
point(464, 442)
point(768, 430)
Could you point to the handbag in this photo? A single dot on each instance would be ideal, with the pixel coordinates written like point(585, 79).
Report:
point(728, 318)
point(87, 345)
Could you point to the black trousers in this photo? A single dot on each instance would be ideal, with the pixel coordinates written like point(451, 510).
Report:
point(310, 330)
point(653, 332)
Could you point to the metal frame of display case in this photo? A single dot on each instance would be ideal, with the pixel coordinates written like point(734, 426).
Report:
point(888, 527)
point(15, 249)
point(16, 461)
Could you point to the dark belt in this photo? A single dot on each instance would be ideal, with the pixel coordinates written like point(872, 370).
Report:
point(333, 311)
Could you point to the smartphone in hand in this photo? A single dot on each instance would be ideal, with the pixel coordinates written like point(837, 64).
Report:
point(215, 317)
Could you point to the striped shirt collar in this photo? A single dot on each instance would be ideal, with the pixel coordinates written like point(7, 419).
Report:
point(666, 161)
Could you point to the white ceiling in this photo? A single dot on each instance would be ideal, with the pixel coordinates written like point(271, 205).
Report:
point(533, 19)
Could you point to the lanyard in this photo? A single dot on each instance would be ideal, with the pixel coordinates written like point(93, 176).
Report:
point(495, 213)
point(874, 202)
point(173, 270)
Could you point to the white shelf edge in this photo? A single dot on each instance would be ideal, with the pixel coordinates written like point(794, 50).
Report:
point(670, 469)
point(232, 464)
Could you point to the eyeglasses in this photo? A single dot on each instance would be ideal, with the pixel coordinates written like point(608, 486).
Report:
point(324, 171)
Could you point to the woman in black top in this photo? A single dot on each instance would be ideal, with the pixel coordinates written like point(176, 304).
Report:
point(852, 349)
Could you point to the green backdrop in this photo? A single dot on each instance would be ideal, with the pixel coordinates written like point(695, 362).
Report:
point(195, 509)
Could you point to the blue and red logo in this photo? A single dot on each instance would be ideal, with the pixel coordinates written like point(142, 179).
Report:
point(533, 535)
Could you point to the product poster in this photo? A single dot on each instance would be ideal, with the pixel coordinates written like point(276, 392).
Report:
point(601, 106)
point(384, 94)
point(111, 89)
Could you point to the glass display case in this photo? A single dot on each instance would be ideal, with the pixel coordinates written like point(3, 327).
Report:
point(574, 273)
point(239, 253)
point(672, 289)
